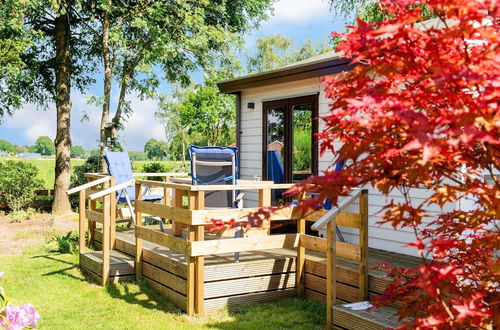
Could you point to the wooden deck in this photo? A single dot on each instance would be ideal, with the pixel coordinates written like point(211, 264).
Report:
point(259, 276)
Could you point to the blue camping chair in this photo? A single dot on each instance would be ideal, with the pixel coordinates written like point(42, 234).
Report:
point(120, 168)
point(216, 166)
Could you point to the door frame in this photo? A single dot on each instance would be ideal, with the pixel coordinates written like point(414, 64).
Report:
point(287, 103)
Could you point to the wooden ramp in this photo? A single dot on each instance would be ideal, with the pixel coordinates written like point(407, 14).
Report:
point(121, 266)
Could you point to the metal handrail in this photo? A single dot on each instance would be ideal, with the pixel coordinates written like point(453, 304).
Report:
point(330, 215)
point(89, 185)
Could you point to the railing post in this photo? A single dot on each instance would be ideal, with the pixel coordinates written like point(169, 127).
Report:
point(331, 280)
point(177, 227)
point(91, 224)
point(191, 261)
point(265, 200)
point(200, 261)
point(138, 241)
point(301, 253)
point(105, 239)
point(363, 243)
point(112, 221)
point(81, 222)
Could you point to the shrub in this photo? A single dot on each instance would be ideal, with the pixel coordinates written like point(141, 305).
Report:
point(91, 165)
point(18, 216)
point(18, 183)
point(67, 243)
point(155, 168)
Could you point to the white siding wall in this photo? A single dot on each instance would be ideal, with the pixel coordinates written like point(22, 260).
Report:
point(381, 237)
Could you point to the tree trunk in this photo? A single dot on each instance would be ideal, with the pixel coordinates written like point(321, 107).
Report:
point(107, 88)
point(63, 106)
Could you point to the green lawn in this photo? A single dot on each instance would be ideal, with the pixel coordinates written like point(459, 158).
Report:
point(46, 167)
point(65, 300)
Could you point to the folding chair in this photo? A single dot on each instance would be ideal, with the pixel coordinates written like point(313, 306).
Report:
point(120, 168)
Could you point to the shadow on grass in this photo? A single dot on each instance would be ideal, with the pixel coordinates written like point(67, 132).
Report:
point(290, 313)
point(139, 293)
point(63, 271)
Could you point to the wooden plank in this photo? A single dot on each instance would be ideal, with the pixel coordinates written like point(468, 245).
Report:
point(164, 262)
point(81, 221)
point(343, 291)
point(200, 261)
point(249, 285)
point(172, 185)
point(230, 245)
point(160, 174)
point(301, 252)
point(176, 298)
point(88, 185)
point(246, 299)
point(363, 244)
point(105, 240)
point(191, 275)
point(375, 319)
point(351, 220)
point(164, 211)
point(119, 264)
point(204, 217)
point(344, 250)
point(95, 216)
point(165, 278)
point(163, 239)
point(139, 256)
point(112, 216)
point(331, 294)
point(177, 226)
point(332, 214)
point(90, 191)
point(268, 266)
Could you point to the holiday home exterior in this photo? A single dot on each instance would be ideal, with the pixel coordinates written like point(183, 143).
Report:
point(281, 107)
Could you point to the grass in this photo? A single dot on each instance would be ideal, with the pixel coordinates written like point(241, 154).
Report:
point(66, 300)
point(46, 167)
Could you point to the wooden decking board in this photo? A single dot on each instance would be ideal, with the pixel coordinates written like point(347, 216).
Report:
point(344, 291)
point(226, 271)
point(163, 277)
point(120, 264)
point(112, 279)
point(246, 299)
point(379, 318)
point(176, 298)
point(249, 285)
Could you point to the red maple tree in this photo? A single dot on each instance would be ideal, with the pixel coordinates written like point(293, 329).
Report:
point(420, 109)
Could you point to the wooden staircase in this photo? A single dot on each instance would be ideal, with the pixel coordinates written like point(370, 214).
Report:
point(121, 266)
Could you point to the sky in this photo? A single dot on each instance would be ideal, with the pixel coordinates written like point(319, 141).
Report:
point(296, 19)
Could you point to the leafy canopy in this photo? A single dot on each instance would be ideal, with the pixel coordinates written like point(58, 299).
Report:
point(44, 146)
point(420, 110)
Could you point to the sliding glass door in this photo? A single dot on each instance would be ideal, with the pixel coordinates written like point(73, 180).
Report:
point(290, 149)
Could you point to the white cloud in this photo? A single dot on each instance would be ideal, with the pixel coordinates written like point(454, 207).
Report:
point(299, 12)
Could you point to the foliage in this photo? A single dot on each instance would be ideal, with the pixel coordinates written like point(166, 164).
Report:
point(155, 168)
point(20, 215)
point(137, 155)
point(67, 243)
point(13, 317)
point(421, 111)
point(77, 152)
point(18, 183)
point(6, 146)
point(156, 149)
point(276, 51)
point(91, 165)
point(45, 146)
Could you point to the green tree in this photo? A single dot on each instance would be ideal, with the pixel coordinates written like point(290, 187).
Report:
point(51, 55)
point(148, 40)
point(77, 152)
point(6, 146)
point(156, 149)
point(275, 51)
point(20, 149)
point(45, 146)
point(18, 183)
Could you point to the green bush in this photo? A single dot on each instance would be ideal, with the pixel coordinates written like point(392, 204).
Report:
point(67, 243)
point(91, 165)
point(155, 168)
point(18, 183)
point(19, 216)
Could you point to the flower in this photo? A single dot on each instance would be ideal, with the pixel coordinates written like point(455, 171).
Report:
point(20, 317)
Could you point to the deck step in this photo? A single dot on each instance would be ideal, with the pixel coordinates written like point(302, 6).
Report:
point(121, 266)
point(344, 317)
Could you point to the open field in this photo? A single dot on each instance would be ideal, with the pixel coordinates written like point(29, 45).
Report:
point(46, 167)
point(65, 300)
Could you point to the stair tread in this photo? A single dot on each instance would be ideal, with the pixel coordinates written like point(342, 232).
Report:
point(384, 317)
point(115, 257)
